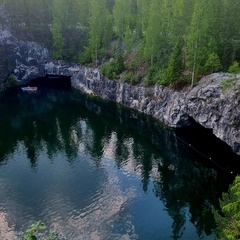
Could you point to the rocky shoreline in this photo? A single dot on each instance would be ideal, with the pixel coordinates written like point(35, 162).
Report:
point(206, 103)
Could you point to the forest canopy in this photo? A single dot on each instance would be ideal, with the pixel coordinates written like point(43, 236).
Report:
point(162, 41)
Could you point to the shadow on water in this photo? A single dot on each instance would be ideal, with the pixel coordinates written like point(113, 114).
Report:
point(209, 148)
point(182, 178)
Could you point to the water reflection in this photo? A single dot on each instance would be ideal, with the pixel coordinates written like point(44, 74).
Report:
point(95, 168)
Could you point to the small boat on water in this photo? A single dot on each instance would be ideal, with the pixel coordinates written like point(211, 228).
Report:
point(29, 89)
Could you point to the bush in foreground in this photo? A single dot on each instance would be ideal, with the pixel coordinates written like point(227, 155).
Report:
point(32, 232)
point(228, 219)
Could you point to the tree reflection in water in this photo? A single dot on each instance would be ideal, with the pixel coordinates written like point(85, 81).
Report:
point(70, 122)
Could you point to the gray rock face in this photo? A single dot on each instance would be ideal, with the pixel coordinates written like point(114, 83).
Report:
point(206, 103)
point(28, 58)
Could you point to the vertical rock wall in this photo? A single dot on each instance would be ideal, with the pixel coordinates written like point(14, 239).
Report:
point(206, 103)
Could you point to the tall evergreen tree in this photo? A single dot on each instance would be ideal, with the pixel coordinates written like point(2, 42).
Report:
point(153, 34)
point(181, 17)
point(142, 8)
point(231, 31)
point(213, 63)
point(100, 28)
point(83, 8)
point(128, 39)
point(160, 38)
point(123, 15)
point(58, 9)
point(149, 27)
point(175, 66)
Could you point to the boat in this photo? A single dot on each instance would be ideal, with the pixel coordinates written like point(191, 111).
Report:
point(29, 89)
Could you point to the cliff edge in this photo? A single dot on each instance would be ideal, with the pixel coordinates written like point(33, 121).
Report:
point(206, 103)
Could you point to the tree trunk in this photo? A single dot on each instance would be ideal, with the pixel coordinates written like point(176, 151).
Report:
point(194, 63)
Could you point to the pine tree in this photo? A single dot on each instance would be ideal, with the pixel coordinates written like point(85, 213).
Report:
point(234, 69)
point(83, 8)
point(213, 63)
point(142, 12)
point(57, 26)
point(128, 39)
point(160, 36)
point(175, 67)
point(228, 220)
point(230, 31)
point(123, 15)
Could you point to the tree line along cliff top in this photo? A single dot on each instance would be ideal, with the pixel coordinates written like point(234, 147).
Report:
point(150, 41)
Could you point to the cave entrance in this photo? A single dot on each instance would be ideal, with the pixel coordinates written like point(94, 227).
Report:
point(205, 143)
point(52, 81)
point(45, 82)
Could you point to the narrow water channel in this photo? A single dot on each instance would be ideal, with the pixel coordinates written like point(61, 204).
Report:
point(90, 169)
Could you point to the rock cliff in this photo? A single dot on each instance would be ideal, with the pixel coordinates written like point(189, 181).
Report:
point(206, 103)
point(24, 59)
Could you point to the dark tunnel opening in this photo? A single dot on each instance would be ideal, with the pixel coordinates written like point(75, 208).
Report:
point(202, 141)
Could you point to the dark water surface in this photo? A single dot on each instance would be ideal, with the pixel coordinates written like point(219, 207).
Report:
point(93, 170)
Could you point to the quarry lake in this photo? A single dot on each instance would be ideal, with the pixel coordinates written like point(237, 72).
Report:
point(91, 169)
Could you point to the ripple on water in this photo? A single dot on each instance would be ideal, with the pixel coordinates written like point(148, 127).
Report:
point(97, 216)
point(6, 231)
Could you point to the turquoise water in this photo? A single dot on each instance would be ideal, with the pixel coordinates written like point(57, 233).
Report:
point(93, 170)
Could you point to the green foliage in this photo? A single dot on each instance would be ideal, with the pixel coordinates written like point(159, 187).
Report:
point(228, 83)
point(141, 16)
point(69, 33)
point(85, 30)
point(156, 75)
point(234, 68)
point(12, 81)
point(162, 79)
point(175, 67)
point(138, 60)
point(151, 76)
point(32, 232)
point(29, 19)
point(131, 78)
point(129, 39)
point(199, 39)
point(228, 219)
point(100, 28)
point(213, 63)
point(85, 58)
point(153, 34)
point(113, 68)
point(123, 15)
point(57, 25)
